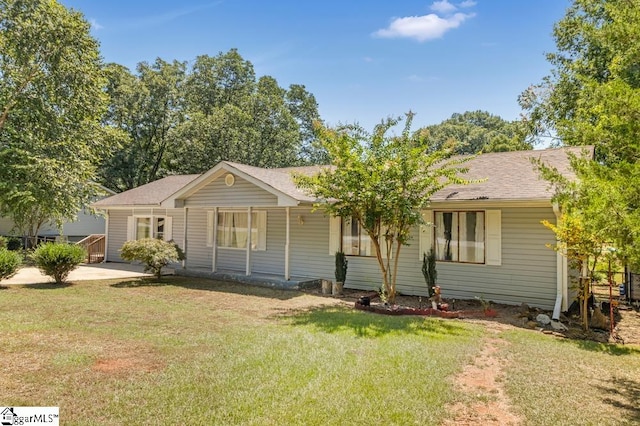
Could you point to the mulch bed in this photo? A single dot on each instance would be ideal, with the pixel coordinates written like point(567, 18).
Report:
point(363, 303)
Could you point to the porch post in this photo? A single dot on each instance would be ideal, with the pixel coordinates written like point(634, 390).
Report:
point(287, 274)
point(214, 246)
point(106, 236)
point(249, 225)
point(184, 236)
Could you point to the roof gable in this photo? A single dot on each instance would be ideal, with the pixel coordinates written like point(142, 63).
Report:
point(277, 182)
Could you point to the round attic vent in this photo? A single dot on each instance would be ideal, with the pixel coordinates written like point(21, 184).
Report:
point(229, 179)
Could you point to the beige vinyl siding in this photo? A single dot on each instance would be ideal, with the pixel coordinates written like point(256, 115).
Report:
point(271, 260)
point(310, 245)
point(117, 225)
point(527, 273)
point(242, 193)
point(198, 254)
point(118, 228)
point(304, 239)
point(6, 226)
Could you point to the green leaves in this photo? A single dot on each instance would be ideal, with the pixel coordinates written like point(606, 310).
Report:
point(57, 260)
point(383, 181)
point(50, 101)
point(593, 98)
point(473, 132)
point(177, 119)
point(155, 254)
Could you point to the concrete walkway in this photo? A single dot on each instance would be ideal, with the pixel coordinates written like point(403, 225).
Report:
point(95, 271)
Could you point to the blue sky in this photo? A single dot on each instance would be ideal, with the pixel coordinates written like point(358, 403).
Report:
point(363, 60)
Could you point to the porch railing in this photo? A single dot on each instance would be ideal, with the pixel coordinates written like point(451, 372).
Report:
point(94, 244)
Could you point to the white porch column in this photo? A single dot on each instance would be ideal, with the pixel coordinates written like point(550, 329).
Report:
point(287, 274)
point(184, 236)
point(214, 246)
point(106, 236)
point(249, 225)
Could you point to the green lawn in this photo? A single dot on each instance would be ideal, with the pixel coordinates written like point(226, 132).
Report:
point(194, 351)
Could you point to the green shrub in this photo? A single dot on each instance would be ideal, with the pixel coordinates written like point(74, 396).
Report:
point(429, 271)
point(154, 254)
point(14, 243)
point(57, 260)
point(341, 267)
point(3, 242)
point(10, 262)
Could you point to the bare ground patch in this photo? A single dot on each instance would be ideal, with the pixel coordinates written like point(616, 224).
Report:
point(487, 403)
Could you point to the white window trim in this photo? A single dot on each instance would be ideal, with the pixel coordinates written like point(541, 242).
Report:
point(492, 242)
point(168, 225)
point(261, 224)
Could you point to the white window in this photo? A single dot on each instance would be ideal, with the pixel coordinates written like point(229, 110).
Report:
point(460, 236)
point(355, 240)
point(232, 229)
point(149, 227)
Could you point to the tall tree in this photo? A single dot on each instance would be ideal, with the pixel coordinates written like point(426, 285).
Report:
point(592, 97)
point(50, 102)
point(473, 132)
point(304, 108)
point(232, 116)
point(217, 81)
point(146, 107)
point(382, 182)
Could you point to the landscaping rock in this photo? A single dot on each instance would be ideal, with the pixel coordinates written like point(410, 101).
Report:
point(524, 310)
point(599, 320)
point(543, 319)
point(532, 324)
point(557, 325)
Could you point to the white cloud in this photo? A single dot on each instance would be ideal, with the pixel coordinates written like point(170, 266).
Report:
point(468, 3)
point(421, 28)
point(95, 25)
point(443, 7)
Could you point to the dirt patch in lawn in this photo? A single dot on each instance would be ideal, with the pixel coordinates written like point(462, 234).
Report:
point(125, 365)
point(480, 382)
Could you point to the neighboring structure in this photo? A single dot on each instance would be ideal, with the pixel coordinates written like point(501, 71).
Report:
point(86, 223)
point(487, 236)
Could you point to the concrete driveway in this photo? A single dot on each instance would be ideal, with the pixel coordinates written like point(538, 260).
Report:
point(95, 271)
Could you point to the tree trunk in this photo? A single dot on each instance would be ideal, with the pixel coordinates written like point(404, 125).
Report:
point(584, 280)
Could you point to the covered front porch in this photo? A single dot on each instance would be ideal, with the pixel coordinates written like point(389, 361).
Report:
point(258, 279)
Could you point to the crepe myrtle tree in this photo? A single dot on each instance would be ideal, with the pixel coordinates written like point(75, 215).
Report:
point(382, 181)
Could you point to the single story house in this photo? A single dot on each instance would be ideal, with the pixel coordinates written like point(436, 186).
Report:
point(488, 236)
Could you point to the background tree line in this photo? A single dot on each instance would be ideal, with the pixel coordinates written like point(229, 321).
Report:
point(69, 122)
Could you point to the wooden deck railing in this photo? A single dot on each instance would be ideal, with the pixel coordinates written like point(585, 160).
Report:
point(95, 245)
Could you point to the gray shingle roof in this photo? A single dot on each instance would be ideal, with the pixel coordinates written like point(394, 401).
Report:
point(510, 175)
point(152, 193)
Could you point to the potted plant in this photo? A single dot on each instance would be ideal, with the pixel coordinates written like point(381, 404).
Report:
point(341, 273)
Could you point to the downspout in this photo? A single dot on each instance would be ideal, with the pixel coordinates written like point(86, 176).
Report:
point(561, 271)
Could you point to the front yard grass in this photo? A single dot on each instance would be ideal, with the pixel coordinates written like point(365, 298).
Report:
point(195, 351)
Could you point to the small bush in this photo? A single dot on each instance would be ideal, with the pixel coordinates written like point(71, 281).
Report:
point(14, 243)
point(154, 254)
point(57, 260)
point(10, 262)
